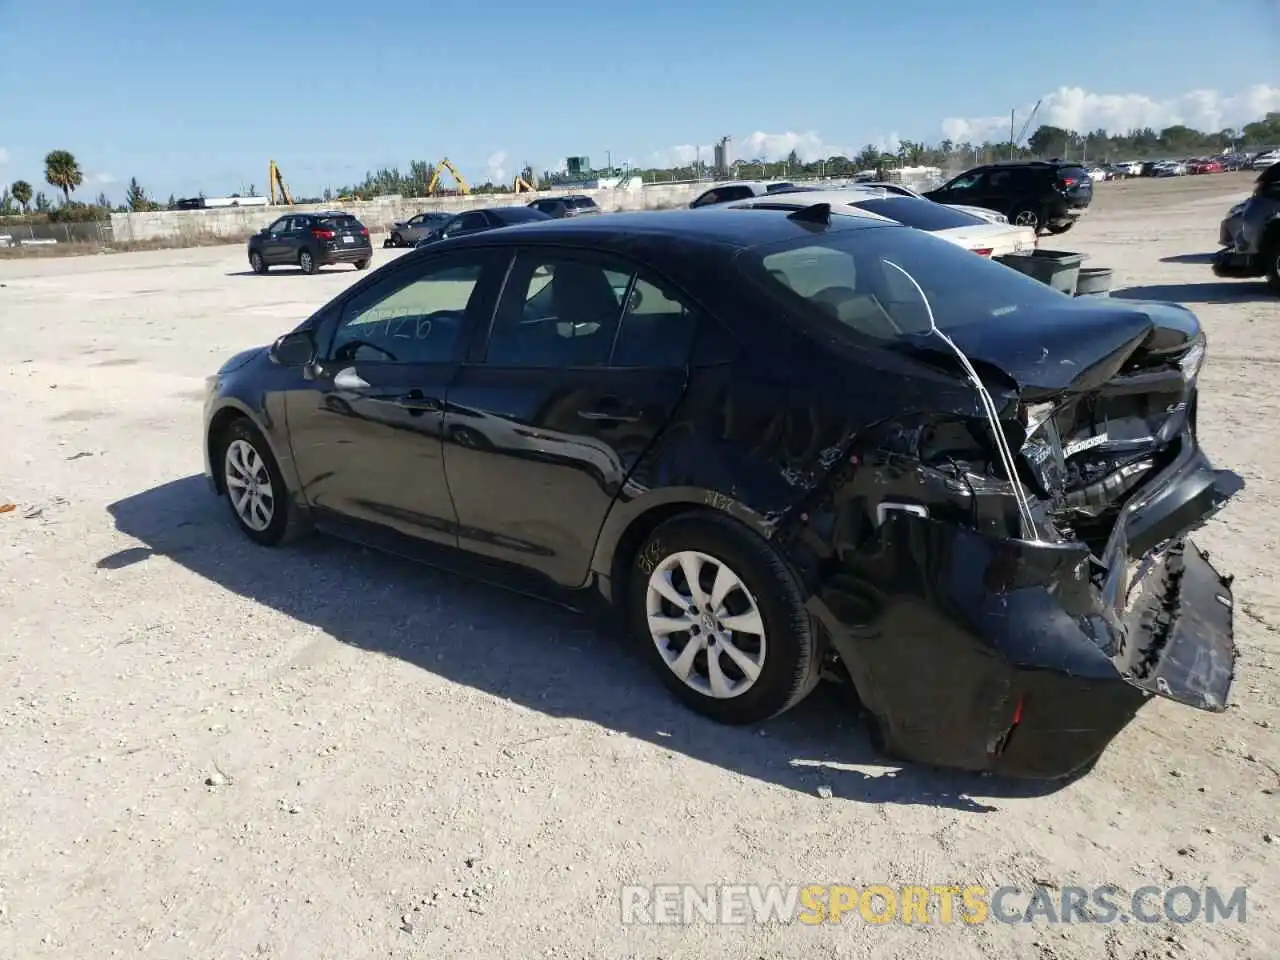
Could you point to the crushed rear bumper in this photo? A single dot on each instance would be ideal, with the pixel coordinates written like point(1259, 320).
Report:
point(1027, 659)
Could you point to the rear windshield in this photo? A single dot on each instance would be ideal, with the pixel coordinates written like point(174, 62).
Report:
point(841, 283)
point(519, 214)
point(344, 222)
point(580, 202)
point(918, 213)
point(1074, 173)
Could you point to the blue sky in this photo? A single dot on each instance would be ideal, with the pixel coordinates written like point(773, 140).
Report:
point(199, 95)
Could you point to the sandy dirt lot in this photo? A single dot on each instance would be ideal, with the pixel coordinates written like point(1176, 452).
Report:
point(208, 749)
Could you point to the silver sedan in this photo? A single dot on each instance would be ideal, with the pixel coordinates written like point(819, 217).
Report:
point(406, 233)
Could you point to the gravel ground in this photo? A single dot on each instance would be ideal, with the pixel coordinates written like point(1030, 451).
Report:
point(214, 750)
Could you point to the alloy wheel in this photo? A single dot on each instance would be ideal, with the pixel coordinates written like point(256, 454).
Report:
point(705, 624)
point(1026, 218)
point(255, 262)
point(249, 485)
point(304, 261)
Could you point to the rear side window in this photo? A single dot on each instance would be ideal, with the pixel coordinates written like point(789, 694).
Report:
point(921, 214)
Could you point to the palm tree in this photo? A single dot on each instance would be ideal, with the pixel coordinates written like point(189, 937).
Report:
point(63, 172)
point(21, 191)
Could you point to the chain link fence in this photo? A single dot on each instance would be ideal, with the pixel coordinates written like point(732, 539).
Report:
point(20, 233)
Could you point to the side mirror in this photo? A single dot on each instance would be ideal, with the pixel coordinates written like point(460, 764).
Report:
point(297, 349)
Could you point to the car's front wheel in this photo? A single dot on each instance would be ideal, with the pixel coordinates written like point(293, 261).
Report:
point(256, 263)
point(254, 486)
point(722, 617)
point(397, 240)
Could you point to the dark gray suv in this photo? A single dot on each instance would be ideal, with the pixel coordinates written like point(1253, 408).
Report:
point(310, 241)
point(559, 207)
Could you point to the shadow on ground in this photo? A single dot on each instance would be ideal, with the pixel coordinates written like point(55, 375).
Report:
point(1188, 258)
point(283, 271)
point(1225, 291)
point(536, 655)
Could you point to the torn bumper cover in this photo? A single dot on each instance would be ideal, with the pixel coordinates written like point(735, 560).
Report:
point(1028, 658)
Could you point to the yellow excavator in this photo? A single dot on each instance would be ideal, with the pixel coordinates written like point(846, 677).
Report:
point(275, 182)
point(434, 186)
point(521, 185)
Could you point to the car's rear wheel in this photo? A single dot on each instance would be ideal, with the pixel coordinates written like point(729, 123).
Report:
point(256, 263)
point(254, 486)
point(307, 262)
point(362, 264)
point(1027, 217)
point(722, 617)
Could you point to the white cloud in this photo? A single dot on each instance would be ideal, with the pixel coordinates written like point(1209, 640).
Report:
point(1075, 108)
point(754, 146)
point(4, 156)
point(497, 171)
point(102, 178)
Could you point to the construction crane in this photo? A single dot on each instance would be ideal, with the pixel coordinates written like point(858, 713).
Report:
point(275, 180)
point(432, 187)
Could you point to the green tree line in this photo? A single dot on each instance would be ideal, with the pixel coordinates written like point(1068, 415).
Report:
point(63, 173)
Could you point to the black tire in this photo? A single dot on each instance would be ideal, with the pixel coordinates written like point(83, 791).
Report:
point(792, 650)
point(362, 264)
point(397, 240)
point(1059, 228)
point(307, 261)
point(286, 523)
point(1271, 260)
point(256, 263)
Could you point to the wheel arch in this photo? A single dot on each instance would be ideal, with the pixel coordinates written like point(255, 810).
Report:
point(231, 411)
point(629, 524)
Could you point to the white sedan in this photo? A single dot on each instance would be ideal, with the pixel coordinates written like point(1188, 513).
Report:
point(964, 229)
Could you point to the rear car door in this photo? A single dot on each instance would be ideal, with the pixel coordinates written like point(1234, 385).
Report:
point(366, 432)
point(584, 366)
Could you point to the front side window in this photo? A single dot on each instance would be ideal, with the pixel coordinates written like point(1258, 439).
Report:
point(558, 310)
point(707, 199)
point(416, 315)
point(966, 181)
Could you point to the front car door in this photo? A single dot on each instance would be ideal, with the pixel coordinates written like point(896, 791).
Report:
point(584, 366)
point(964, 189)
point(276, 242)
point(366, 433)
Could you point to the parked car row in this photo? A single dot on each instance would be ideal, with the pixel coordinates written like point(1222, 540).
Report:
point(1042, 195)
point(780, 445)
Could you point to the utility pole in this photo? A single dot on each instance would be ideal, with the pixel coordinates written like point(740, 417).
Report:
point(1011, 114)
point(608, 160)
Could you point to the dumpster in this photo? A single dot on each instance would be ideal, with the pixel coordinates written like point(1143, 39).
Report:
point(1094, 282)
point(1055, 268)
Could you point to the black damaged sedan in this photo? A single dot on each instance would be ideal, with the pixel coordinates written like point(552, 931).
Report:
point(782, 447)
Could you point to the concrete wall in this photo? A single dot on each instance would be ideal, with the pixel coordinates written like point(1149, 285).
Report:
point(233, 223)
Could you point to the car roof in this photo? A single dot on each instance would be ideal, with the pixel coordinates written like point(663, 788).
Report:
point(840, 201)
point(716, 226)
